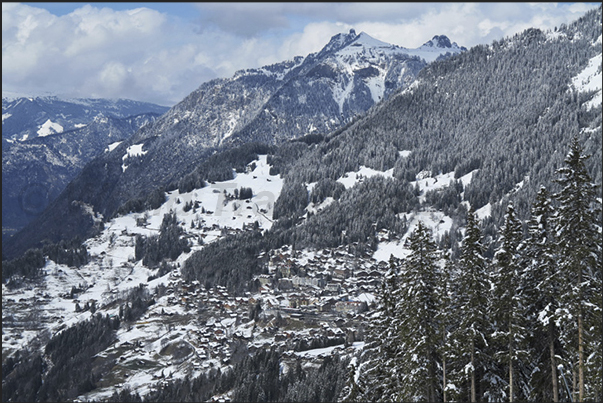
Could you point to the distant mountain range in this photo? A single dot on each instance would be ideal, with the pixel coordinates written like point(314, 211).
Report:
point(25, 118)
point(46, 141)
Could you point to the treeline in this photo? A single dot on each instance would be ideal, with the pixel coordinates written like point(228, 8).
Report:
point(522, 326)
point(230, 262)
point(219, 167)
point(70, 253)
point(29, 266)
point(167, 245)
point(153, 200)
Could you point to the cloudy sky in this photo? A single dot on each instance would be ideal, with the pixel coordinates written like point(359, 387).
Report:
point(160, 52)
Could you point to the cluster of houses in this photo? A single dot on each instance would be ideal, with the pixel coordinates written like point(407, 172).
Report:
point(304, 300)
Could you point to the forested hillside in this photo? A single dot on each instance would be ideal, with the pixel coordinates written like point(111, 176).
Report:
point(502, 329)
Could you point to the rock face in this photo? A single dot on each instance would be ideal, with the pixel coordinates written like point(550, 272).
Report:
point(272, 104)
point(315, 94)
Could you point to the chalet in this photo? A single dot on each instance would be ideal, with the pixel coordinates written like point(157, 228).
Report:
point(375, 273)
point(327, 305)
point(285, 284)
point(333, 287)
point(264, 279)
point(348, 306)
point(341, 272)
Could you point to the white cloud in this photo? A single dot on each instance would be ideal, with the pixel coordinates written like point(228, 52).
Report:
point(148, 55)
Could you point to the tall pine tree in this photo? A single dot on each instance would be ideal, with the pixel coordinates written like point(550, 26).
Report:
point(446, 321)
point(379, 377)
point(416, 314)
point(578, 230)
point(471, 336)
point(540, 297)
point(509, 330)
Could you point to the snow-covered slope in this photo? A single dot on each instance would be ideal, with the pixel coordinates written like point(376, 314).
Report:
point(205, 336)
point(590, 79)
point(437, 48)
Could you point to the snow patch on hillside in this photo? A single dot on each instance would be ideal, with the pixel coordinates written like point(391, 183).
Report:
point(483, 212)
point(426, 182)
point(341, 93)
point(349, 179)
point(436, 221)
point(232, 124)
point(316, 208)
point(49, 128)
point(590, 79)
point(376, 86)
point(220, 206)
point(112, 146)
point(134, 151)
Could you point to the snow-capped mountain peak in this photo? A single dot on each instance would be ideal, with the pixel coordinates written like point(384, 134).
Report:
point(439, 41)
point(364, 44)
point(364, 39)
point(437, 47)
point(337, 42)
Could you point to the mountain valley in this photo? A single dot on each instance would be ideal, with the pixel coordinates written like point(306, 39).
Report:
point(321, 229)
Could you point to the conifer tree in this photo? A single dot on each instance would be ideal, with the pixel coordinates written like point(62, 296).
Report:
point(509, 332)
point(416, 320)
point(578, 230)
point(351, 391)
point(470, 337)
point(378, 378)
point(446, 321)
point(540, 293)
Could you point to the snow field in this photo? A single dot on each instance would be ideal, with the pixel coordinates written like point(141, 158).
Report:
point(590, 79)
point(49, 128)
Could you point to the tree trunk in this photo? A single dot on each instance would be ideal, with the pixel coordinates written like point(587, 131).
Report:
point(510, 379)
point(473, 397)
point(510, 364)
point(580, 360)
point(574, 381)
point(553, 363)
point(444, 379)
